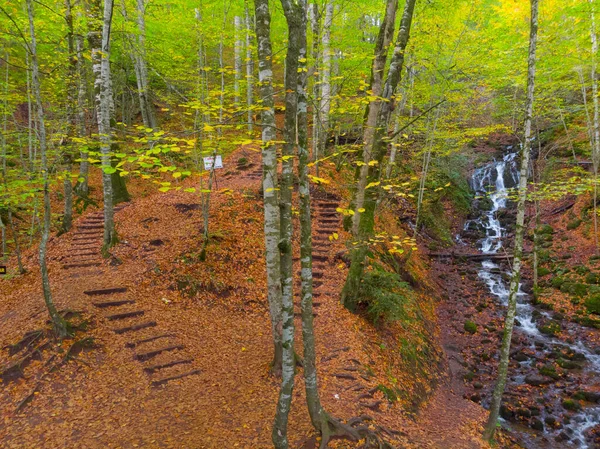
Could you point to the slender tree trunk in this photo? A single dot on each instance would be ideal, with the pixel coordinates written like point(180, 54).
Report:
point(58, 322)
point(103, 93)
point(249, 68)
point(237, 60)
point(325, 101)
point(15, 235)
point(315, 20)
point(596, 149)
point(386, 33)
point(367, 199)
point(294, 11)
point(71, 119)
point(142, 58)
point(4, 244)
point(520, 229)
point(84, 166)
point(272, 223)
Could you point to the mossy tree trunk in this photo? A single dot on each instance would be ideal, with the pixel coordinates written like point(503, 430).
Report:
point(295, 12)
point(367, 198)
point(270, 184)
point(519, 232)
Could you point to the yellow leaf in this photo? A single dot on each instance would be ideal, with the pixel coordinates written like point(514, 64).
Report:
point(361, 210)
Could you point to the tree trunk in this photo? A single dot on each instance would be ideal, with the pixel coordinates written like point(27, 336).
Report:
point(325, 98)
point(103, 93)
point(295, 12)
point(15, 235)
point(142, 58)
point(386, 33)
point(71, 119)
point(82, 187)
point(237, 60)
point(596, 148)
point(249, 69)
point(58, 322)
point(367, 199)
point(520, 229)
point(272, 223)
point(315, 20)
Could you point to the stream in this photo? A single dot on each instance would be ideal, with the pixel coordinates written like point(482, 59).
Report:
point(493, 181)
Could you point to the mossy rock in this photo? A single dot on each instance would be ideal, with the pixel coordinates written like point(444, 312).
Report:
point(470, 327)
point(557, 282)
point(543, 271)
point(569, 364)
point(543, 255)
point(574, 288)
point(551, 328)
point(592, 278)
point(592, 304)
point(549, 371)
point(545, 229)
point(582, 270)
point(571, 404)
point(574, 224)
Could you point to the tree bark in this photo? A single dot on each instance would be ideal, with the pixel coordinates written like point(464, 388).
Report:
point(272, 219)
point(58, 322)
point(325, 97)
point(82, 187)
point(596, 148)
point(367, 199)
point(237, 60)
point(295, 12)
point(315, 20)
point(249, 68)
point(520, 229)
point(386, 33)
point(103, 93)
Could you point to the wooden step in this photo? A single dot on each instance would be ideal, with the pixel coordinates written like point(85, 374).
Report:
point(81, 265)
point(88, 226)
point(106, 304)
point(105, 291)
point(135, 327)
point(154, 368)
point(144, 356)
point(157, 383)
point(124, 315)
point(133, 344)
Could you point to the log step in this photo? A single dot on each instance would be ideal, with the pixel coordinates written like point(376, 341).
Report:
point(154, 368)
point(122, 316)
point(105, 304)
point(133, 344)
point(142, 357)
point(106, 291)
point(81, 265)
point(157, 383)
point(98, 225)
point(135, 327)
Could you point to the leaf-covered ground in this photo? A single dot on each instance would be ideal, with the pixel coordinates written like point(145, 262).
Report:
point(216, 309)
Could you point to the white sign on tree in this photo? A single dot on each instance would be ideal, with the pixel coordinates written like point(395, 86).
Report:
point(208, 162)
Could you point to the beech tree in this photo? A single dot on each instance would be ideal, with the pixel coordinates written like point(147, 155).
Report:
point(58, 322)
point(519, 232)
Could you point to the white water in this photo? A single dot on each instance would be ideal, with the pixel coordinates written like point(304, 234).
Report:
point(490, 180)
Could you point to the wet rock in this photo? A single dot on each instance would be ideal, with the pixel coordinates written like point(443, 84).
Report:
point(537, 380)
point(537, 424)
point(521, 357)
point(562, 437)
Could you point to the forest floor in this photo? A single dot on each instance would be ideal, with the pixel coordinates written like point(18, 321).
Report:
point(205, 382)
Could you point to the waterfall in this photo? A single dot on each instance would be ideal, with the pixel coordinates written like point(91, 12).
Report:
point(493, 181)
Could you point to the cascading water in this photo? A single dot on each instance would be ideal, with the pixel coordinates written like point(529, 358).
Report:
point(493, 181)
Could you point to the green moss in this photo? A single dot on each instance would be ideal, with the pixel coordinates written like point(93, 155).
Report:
point(592, 304)
point(545, 229)
point(384, 295)
point(574, 288)
point(581, 270)
point(592, 278)
point(572, 405)
point(543, 271)
point(470, 327)
point(557, 282)
point(574, 224)
point(549, 371)
point(551, 328)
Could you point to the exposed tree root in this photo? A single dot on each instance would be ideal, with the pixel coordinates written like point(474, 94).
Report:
point(356, 430)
